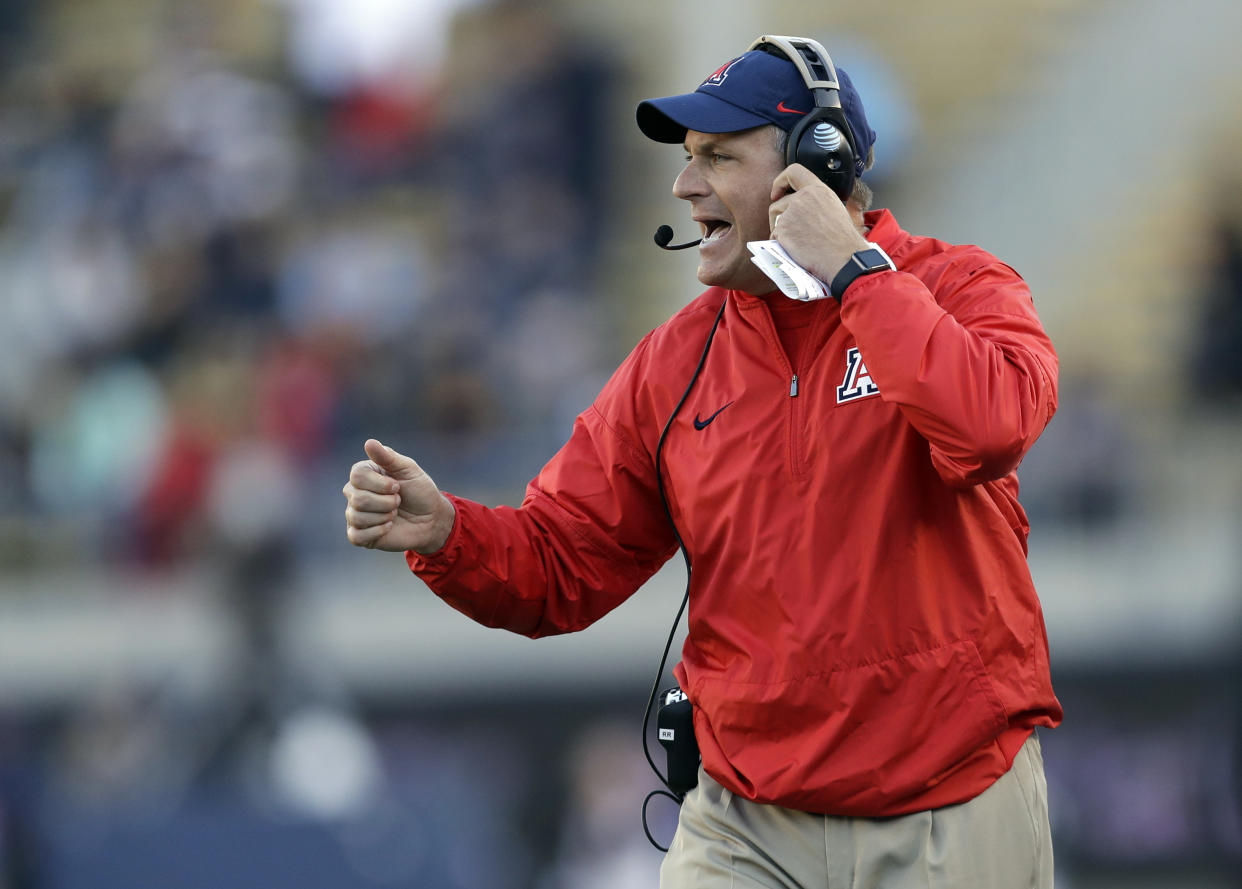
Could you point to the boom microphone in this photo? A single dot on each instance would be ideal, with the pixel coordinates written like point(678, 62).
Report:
point(664, 234)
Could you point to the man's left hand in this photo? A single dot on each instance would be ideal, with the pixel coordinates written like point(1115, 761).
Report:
point(814, 227)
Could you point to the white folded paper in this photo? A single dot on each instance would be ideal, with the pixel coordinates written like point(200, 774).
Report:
point(793, 280)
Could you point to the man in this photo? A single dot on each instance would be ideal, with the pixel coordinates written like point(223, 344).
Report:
point(866, 654)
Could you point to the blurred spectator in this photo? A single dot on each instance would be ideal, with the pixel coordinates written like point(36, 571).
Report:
point(1216, 356)
point(91, 451)
point(356, 274)
point(599, 847)
point(211, 403)
point(1080, 474)
point(115, 751)
point(196, 146)
point(334, 48)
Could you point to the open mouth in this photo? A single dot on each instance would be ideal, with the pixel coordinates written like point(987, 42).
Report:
point(714, 229)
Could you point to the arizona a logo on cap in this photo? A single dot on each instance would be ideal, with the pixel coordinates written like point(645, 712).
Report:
point(718, 76)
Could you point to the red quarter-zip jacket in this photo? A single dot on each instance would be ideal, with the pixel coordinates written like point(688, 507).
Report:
point(864, 636)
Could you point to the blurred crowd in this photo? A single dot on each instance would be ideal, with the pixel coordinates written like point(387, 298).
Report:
point(221, 276)
point(225, 261)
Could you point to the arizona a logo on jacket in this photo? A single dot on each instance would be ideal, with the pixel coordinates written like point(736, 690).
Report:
point(857, 383)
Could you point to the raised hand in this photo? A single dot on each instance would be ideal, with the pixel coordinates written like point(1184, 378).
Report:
point(811, 223)
point(393, 505)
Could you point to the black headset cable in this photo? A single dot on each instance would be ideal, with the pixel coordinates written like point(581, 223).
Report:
point(681, 544)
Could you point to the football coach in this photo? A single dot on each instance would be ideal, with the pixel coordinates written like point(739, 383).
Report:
point(866, 656)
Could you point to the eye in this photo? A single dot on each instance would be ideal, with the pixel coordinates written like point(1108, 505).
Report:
point(717, 157)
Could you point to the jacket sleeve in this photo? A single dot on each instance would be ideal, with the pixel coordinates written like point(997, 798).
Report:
point(589, 532)
point(970, 366)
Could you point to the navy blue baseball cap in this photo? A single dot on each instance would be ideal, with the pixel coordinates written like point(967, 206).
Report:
point(755, 89)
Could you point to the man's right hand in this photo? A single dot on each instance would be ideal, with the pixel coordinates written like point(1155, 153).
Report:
point(393, 505)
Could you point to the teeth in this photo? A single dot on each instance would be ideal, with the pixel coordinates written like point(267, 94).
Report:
point(717, 233)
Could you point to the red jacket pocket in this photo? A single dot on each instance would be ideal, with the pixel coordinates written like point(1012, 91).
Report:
point(866, 740)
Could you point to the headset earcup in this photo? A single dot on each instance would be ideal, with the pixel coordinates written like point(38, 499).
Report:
point(831, 159)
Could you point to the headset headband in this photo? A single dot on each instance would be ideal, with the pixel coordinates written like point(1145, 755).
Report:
point(812, 62)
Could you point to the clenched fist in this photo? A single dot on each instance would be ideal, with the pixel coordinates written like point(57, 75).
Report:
point(391, 504)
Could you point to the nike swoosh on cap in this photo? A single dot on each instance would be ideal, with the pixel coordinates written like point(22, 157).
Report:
point(780, 106)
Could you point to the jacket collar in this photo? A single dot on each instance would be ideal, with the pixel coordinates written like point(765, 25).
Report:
point(882, 228)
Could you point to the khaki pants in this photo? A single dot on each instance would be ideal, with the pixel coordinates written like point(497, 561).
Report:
point(998, 840)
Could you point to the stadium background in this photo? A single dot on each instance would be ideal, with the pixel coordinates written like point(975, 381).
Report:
point(238, 238)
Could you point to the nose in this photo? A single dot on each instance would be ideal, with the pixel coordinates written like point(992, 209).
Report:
point(689, 183)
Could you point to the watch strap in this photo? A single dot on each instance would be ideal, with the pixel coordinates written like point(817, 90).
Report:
point(863, 262)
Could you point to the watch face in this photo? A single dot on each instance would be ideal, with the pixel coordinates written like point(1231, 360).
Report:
point(873, 258)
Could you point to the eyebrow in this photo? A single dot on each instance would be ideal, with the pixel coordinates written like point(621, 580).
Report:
point(704, 147)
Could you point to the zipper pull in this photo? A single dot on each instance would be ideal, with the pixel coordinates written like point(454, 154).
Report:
point(793, 386)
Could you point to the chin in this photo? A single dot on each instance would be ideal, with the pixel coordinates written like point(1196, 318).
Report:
point(731, 278)
point(748, 283)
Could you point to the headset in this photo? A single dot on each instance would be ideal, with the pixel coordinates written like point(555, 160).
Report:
point(822, 141)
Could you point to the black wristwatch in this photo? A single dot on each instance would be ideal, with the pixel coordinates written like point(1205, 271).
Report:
point(864, 262)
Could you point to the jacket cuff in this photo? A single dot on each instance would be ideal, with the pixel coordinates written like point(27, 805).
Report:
point(442, 559)
point(863, 284)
